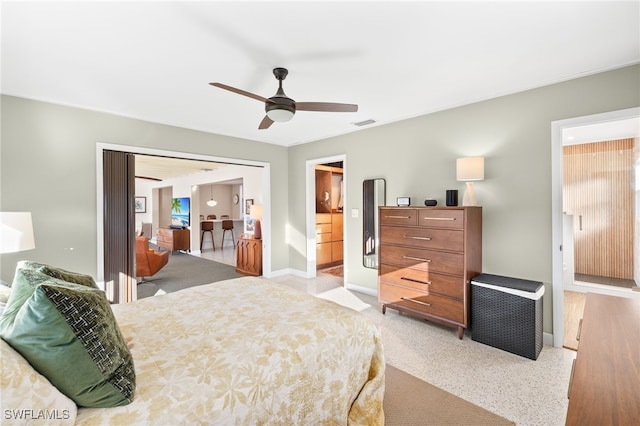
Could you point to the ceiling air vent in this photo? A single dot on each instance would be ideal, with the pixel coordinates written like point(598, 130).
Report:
point(364, 123)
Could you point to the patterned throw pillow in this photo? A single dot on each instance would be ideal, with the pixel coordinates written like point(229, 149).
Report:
point(68, 333)
point(59, 273)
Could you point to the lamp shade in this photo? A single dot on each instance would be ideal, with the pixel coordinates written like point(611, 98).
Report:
point(256, 212)
point(470, 168)
point(16, 232)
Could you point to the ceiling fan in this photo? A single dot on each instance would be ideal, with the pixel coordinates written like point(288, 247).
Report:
point(280, 107)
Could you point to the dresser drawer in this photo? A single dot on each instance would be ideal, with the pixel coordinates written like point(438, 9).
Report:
point(423, 280)
point(417, 279)
point(323, 253)
point(323, 218)
point(323, 228)
point(428, 260)
point(408, 217)
point(447, 239)
point(324, 238)
point(453, 219)
point(431, 304)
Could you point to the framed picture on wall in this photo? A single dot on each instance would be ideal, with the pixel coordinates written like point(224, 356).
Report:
point(247, 206)
point(141, 204)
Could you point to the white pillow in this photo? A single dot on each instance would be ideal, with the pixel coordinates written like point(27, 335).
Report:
point(27, 396)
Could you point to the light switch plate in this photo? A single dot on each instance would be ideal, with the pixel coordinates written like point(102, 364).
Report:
point(355, 213)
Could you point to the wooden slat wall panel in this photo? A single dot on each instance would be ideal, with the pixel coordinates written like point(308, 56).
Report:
point(119, 249)
point(598, 191)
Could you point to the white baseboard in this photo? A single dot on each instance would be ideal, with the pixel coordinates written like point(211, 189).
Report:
point(547, 339)
point(288, 271)
point(360, 289)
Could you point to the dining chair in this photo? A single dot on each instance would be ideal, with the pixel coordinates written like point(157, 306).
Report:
point(204, 228)
point(227, 225)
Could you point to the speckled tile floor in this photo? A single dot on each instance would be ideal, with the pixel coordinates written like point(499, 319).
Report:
point(525, 391)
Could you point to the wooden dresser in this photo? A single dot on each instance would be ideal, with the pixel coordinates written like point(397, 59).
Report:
point(605, 379)
point(249, 256)
point(428, 256)
point(173, 239)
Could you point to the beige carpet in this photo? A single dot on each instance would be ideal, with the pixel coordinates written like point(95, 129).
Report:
point(344, 297)
point(409, 401)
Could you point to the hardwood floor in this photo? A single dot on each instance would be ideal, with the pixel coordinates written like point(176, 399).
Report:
point(617, 282)
point(573, 308)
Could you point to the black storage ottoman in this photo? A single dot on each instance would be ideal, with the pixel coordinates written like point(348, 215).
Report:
point(506, 313)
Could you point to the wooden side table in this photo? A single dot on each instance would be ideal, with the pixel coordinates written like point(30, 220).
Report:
point(249, 260)
point(173, 239)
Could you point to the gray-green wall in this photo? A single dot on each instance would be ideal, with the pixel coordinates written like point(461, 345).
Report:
point(48, 167)
point(417, 157)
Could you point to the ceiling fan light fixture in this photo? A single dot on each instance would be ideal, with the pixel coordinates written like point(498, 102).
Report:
point(280, 114)
point(280, 109)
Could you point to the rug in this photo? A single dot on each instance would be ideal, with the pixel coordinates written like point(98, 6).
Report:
point(409, 401)
point(338, 271)
point(344, 297)
point(182, 271)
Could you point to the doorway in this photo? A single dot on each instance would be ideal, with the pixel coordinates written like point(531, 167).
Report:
point(562, 254)
point(336, 198)
point(265, 188)
point(598, 206)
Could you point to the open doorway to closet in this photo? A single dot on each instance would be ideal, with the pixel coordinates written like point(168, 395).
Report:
point(595, 211)
point(326, 198)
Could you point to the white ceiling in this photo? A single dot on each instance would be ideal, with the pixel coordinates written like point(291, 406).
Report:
point(161, 168)
point(607, 131)
point(396, 60)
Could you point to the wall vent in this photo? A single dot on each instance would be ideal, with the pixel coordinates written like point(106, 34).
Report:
point(364, 123)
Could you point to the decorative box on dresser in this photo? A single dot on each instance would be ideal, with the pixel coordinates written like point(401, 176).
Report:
point(428, 256)
point(173, 239)
point(249, 256)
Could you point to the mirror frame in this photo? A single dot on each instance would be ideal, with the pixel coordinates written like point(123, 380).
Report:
point(374, 194)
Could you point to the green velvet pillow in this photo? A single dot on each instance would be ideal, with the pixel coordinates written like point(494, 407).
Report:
point(59, 273)
point(68, 333)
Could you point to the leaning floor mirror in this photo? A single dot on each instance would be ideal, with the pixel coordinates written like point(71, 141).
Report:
point(373, 196)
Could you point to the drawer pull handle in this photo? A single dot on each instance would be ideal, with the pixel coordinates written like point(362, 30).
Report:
point(398, 217)
point(408, 299)
point(418, 238)
point(439, 218)
point(415, 281)
point(416, 258)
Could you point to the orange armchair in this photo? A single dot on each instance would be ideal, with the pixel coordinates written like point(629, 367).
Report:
point(148, 261)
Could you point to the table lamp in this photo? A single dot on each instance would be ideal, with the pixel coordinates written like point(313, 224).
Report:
point(256, 213)
point(469, 169)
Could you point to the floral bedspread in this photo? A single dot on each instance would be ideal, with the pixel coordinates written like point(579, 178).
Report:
point(248, 351)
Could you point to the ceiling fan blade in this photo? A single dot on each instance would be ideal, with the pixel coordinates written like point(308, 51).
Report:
point(241, 92)
point(265, 123)
point(326, 106)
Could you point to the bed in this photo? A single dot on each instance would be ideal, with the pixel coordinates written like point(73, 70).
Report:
point(244, 351)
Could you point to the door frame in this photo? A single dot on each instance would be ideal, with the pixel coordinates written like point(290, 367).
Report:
point(311, 212)
point(557, 128)
point(266, 194)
